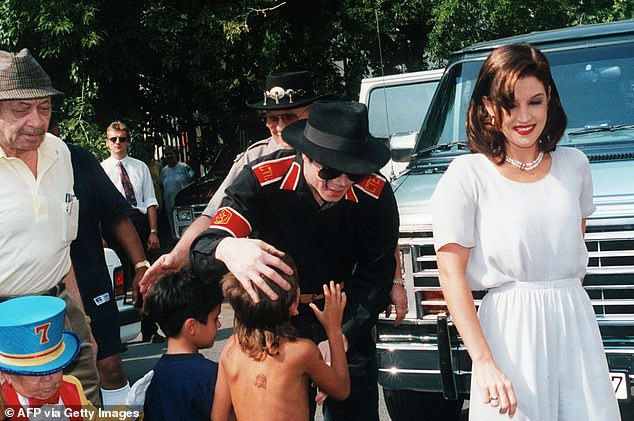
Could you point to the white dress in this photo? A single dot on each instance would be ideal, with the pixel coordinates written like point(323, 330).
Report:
point(527, 249)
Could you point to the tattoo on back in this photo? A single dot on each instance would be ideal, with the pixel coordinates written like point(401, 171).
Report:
point(260, 381)
point(229, 351)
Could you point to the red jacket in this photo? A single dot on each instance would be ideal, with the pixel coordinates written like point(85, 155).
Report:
point(71, 392)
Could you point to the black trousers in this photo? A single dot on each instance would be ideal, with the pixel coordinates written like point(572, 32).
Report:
point(363, 402)
point(142, 227)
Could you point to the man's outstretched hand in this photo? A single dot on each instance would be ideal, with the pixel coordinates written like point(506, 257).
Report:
point(168, 263)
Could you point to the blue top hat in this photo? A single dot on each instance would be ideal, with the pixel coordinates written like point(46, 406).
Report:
point(32, 339)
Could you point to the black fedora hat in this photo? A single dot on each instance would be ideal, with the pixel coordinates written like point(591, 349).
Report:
point(336, 135)
point(285, 91)
point(21, 77)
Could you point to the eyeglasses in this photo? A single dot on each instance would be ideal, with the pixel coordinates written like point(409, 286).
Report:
point(120, 139)
point(327, 173)
point(287, 118)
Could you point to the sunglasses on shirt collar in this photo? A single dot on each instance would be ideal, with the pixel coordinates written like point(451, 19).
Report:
point(327, 173)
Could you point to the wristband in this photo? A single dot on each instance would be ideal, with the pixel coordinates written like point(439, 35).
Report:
point(142, 264)
point(400, 282)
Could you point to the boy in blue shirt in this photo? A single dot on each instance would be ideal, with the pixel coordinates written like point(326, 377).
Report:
point(187, 310)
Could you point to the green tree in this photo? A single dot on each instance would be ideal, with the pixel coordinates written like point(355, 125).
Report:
point(185, 68)
point(458, 24)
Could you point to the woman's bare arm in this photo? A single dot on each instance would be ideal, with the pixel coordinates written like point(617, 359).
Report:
point(452, 265)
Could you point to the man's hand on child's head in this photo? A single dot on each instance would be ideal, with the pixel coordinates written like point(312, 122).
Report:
point(251, 261)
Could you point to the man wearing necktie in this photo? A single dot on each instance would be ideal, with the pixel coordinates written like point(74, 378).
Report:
point(133, 179)
point(128, 190)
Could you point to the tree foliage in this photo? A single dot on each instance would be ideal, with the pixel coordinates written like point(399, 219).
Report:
point(171, 67)
point(458, 24)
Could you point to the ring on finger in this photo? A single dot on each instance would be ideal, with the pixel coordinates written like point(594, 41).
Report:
point(494, 398)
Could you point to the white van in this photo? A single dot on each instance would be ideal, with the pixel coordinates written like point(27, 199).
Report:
point(397, 105)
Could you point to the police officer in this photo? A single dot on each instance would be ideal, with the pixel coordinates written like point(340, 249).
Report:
point(324, 204)
point(286, 98)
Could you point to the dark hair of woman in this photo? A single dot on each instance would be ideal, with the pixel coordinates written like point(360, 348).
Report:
point(496, 81)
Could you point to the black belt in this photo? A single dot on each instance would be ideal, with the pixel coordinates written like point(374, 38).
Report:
point(313, 298)
point(53, 292)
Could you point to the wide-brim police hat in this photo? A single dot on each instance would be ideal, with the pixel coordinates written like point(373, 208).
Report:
point(285, 91)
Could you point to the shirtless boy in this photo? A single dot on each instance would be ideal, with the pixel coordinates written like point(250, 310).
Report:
point(264, 368)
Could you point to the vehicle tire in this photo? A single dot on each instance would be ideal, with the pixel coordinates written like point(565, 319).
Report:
point(410, 405)
point(627, 410)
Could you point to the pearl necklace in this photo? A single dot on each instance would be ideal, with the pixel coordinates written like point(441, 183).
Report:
point(525, 166)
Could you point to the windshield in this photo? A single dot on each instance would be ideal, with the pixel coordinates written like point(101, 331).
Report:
point(596, 86)
point(405, 106)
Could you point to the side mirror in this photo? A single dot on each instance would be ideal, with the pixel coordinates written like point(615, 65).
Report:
point(402, 146)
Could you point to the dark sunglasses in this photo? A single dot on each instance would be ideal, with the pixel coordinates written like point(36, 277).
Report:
point(327, 173)
point(120, 139)
point(287, 118)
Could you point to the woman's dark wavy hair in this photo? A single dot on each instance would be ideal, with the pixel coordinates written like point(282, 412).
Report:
point(498, 76)
point(259, 327)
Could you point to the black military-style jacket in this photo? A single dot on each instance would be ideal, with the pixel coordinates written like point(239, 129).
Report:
point(352, 240)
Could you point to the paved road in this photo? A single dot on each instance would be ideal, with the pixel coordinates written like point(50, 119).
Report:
point(141, 356)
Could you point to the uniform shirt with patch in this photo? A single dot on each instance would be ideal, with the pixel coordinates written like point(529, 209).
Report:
point(253, 152)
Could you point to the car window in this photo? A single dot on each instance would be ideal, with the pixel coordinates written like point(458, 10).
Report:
point(596, 87)
point(395, 109)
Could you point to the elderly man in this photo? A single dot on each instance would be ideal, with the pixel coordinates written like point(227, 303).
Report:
point(323, 204)
point(38, 207)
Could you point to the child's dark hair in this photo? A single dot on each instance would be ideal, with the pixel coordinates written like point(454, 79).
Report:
point(258, 327)
point(181, 296)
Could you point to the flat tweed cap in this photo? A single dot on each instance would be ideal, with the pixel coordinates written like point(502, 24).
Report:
point(21, 77)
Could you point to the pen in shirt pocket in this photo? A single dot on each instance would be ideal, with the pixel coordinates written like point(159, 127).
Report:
point(69, 200)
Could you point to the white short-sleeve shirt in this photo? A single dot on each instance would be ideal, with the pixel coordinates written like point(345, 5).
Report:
point(516, 231)
point(39, 220)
